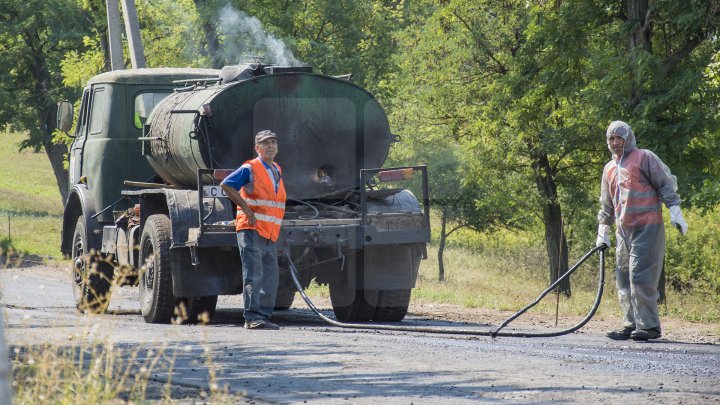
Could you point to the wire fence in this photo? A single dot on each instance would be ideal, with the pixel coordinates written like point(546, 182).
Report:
point(10, 256)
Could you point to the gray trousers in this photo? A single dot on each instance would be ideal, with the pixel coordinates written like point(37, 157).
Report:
point(260, 274)
point(640, 254)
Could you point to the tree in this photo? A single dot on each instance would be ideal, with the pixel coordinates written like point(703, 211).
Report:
point(432, 109)
point(671, 100)
point(34, 37)
point(462, 201)
point(335, 37)
point(529, 88)
point(462, 66)
point(207, 11)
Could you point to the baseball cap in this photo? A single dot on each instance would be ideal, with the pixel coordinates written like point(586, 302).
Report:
point(263, 135)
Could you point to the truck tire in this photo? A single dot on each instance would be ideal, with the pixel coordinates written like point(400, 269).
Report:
point(157, 301)
point(350, 304)
point(392, 305)
point(284, 298)
point(193, 310)
point(92, 275)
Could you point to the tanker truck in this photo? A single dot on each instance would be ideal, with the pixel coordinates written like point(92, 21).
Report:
point(145, 207)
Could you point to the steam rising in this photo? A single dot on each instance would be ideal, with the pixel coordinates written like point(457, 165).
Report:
point(245, 39)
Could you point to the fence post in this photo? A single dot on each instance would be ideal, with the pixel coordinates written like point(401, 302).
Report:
point(6, 395)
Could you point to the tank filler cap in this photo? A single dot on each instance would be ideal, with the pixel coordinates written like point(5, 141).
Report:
point(246, 71)
point(287, 69)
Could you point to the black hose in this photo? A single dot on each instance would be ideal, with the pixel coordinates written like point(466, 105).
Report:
point(457, 331)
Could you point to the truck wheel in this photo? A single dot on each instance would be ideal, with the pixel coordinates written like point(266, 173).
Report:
point(192, 310)
point(92, 275)
point(157, 301)
point(284, 298)
point(392, 305)
point(352, 305)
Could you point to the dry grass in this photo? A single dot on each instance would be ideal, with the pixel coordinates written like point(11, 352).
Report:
point(503, 281)
point(103, 372)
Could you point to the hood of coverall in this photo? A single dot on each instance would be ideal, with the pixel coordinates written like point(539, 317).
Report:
point(624, 131)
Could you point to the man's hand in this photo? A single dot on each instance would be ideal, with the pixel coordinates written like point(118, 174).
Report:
point(251, 216)
point(234, 196)
point(603, 237)
point(677, 220)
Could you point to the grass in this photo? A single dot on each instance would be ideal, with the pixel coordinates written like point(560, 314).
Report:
point(103, 372)
point(30, 207)
point(505, 280)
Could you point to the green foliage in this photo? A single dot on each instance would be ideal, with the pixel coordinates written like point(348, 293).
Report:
point(335, 37)
point(34, 38)
point(526, 89)
point(483, 92)
point(691, 261)
point(79, 66)
point(169, 32)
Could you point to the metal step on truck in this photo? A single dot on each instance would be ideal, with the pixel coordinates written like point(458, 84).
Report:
point(145, 207)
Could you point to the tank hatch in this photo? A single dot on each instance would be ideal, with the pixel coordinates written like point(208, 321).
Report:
point(246, 71)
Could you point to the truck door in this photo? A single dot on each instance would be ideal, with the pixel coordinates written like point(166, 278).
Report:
point(76, 149)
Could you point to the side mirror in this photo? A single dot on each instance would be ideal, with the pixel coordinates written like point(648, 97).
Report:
point(65, 113)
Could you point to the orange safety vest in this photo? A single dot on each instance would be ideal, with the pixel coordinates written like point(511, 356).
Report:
point(635, 199)
point(268, 206)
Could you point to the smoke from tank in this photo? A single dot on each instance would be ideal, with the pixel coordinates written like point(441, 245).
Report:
point(246, 37)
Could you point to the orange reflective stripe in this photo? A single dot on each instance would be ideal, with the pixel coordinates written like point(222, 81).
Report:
point(265, 203)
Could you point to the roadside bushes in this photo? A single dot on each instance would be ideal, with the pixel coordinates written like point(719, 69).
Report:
point(692, 261)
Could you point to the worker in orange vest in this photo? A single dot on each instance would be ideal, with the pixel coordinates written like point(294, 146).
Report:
point(635, 184)
point(257, 189)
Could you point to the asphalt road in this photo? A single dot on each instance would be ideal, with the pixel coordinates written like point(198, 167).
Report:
point(308, 361)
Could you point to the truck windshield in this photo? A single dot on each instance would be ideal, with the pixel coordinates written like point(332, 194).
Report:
point(144, 104)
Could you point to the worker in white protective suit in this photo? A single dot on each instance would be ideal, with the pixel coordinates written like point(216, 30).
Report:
point(634, 184)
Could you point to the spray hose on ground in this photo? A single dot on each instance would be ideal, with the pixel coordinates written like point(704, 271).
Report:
point(457, 331)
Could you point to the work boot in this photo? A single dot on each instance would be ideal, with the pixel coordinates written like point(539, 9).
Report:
point(260, 324)
point(622, 334)
point(646, 334)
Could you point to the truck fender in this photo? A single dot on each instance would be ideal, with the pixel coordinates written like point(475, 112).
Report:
point(217, 272)
point(183, 209)
point(79, 204)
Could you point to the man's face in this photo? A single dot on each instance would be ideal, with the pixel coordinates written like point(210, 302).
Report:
point(267, 149)
point(617, 144)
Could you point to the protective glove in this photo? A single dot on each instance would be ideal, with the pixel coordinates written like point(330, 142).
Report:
point(603, 236)
point(677, 220)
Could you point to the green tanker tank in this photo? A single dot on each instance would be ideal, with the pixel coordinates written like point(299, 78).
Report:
point(329, 129)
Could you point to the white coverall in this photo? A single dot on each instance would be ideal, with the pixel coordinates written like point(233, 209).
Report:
point(633, 187)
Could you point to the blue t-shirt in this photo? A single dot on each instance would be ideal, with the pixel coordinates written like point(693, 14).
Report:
point(243, 175)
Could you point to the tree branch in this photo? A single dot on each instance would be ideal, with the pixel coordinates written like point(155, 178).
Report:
point(501, 68)
point(692, 43)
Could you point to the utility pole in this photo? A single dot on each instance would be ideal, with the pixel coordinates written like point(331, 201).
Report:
point(132, 28)
point(115, 35)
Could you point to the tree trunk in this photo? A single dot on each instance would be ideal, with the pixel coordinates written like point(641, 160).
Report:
point(46, 109)
point(212, 42)
point(555, 241)
point(441, 248)
point(641, 20)
point(640, 40)
point(56, 154)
